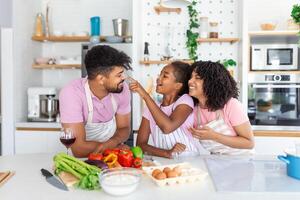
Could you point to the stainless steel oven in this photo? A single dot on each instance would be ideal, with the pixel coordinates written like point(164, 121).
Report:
point(274, 100)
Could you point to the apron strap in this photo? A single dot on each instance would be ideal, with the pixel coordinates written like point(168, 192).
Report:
point(114, 103)
point(89, 102)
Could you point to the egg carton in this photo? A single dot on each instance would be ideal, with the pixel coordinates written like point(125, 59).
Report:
point(189, 174)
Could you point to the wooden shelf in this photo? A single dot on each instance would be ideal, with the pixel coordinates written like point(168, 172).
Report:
point(157, 62)
point(274, 33)
point(160, 8)
point(70, 39)
point(276, 133)
point(231, 40)
point(57, 66)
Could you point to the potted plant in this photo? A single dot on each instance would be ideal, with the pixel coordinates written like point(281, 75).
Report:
point(229, 64)
point(295, 14)
point(191, 34)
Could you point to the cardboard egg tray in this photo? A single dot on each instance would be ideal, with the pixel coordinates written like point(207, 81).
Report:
point(189, 174)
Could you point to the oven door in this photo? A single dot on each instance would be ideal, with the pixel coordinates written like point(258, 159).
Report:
point(274, 104)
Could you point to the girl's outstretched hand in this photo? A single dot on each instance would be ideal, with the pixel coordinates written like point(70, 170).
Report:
point(135, 86)
point(204, 133)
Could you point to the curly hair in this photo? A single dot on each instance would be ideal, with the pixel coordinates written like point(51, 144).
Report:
point(101, 59)
point(218, 84)
point(182, 73)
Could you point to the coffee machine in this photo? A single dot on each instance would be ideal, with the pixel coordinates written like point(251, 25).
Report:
point(42, 104)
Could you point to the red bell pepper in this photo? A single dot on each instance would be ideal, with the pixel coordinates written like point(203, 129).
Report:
point(125, 158)
point(137, 163)
point(106, 152)
point(95, 156)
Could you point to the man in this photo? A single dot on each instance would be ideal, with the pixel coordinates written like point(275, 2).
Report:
point(97, 108)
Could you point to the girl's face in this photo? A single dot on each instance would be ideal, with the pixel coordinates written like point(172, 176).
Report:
point(166, 81)
point(196, 86)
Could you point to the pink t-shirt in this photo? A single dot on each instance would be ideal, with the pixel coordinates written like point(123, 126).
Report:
point(74, 109)
point(232, 113)
point(184, 99)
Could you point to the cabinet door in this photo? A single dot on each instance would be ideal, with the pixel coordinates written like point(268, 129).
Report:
point(37, 142)
point(274, 145)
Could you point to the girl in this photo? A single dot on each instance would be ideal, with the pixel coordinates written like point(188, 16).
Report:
point(221, 124)
point(168, 122)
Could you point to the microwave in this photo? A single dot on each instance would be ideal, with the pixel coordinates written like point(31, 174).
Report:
point(274, 57)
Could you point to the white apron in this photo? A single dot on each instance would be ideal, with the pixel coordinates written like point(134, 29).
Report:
point(100, 132)
point(167, 141)
point(220, 126)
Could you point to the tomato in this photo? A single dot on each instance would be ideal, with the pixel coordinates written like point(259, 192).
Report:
point(95, 156)
point(137, 162)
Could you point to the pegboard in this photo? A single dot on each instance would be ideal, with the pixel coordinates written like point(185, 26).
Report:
point(170, 29)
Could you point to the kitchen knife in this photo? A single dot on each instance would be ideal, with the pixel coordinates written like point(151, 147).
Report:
point(53, 180)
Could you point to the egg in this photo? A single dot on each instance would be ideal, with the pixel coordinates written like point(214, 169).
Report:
point(155, 172)
point(166, 169)
point(161, 176)
point(178, 170)
point(172, 174)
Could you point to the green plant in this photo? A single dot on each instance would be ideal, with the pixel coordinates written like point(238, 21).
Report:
point(295, 14)
point(191, 43)
point(228, 63)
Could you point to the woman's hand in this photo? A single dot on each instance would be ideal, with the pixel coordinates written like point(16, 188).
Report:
point(204, 133)
point(135, 86)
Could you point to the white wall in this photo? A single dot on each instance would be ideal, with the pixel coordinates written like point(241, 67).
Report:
point(262, 10)
point(5, 13)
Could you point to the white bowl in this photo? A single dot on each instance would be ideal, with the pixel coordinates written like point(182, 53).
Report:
point(121, 181)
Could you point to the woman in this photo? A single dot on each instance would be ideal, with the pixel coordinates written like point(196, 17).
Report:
point(167, 123)
point(221, 125)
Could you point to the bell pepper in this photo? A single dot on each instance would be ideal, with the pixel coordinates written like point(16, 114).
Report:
point(95, 156)
point(137, 163)
point(125, 158)
point(137, 152)
point(110, 159)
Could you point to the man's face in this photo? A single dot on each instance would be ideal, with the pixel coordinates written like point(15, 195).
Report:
point(114, 80)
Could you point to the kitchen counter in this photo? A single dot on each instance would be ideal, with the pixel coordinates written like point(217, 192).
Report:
point(28, 183)
point(38, 126)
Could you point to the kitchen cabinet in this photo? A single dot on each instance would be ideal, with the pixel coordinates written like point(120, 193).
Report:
point(273, 145)
point(38, 142)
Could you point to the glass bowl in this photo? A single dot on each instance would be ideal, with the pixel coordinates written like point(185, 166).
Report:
point(120, 181)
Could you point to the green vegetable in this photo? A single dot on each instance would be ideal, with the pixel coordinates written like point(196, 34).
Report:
point(87, 174)
point(192, 36)
point(137, 152)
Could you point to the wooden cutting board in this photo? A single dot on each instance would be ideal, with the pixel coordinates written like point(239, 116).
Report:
point(68, 179)
point(4, 176)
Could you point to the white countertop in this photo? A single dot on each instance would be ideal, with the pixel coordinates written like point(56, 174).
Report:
point(28, 183)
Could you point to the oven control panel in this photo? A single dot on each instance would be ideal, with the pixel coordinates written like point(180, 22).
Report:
point(277, 77)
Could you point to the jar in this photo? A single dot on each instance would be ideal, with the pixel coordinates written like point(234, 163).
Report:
point(214, 30)
point(39, 25)
point(203, 27)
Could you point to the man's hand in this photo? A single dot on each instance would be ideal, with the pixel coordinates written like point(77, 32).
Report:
point(204, 133)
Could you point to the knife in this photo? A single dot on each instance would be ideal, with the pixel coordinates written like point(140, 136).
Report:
point(53, 180)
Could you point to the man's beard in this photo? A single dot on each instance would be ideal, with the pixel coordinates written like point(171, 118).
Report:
point(116, 90)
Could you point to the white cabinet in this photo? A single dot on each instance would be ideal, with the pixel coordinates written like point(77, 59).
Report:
point(38, 142)
point(274, 145)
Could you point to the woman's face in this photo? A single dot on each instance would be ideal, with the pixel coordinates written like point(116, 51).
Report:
point(166, 81)
point(196, 86)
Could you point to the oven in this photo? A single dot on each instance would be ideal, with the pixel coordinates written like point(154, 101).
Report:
point(274, 100)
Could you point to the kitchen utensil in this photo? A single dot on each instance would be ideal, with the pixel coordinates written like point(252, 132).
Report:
point(68, 179)
point(53, 180)
point(120, 27)
point(293, 163)
point(120, 181)
point(4, 176)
